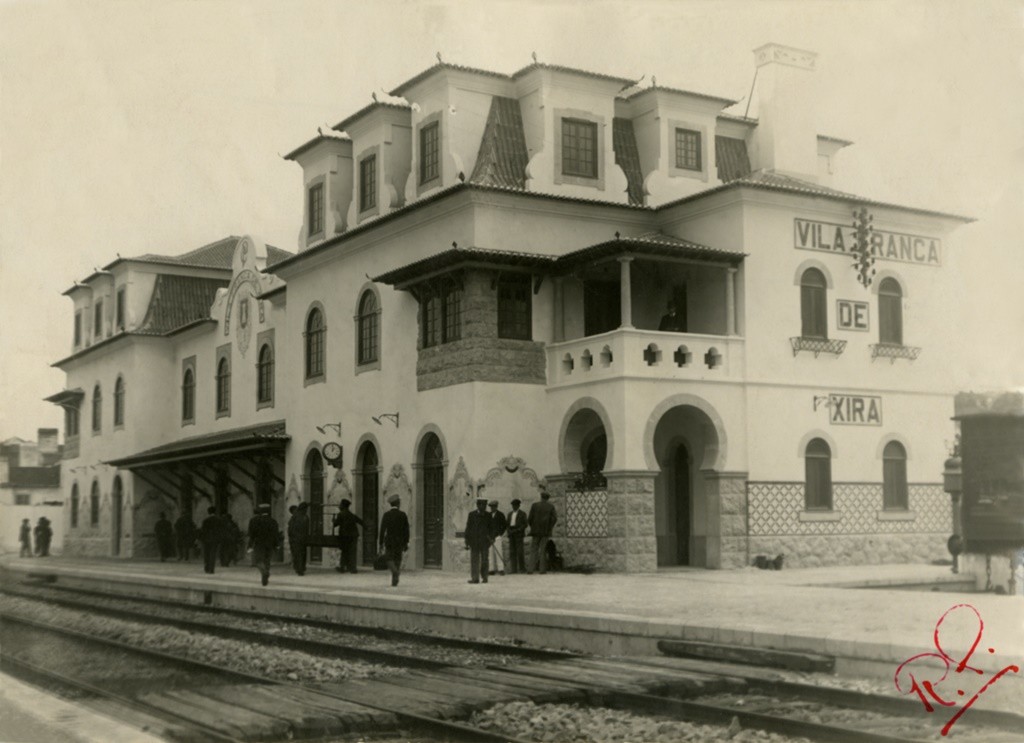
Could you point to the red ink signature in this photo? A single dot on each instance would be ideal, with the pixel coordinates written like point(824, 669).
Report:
point(924, 685)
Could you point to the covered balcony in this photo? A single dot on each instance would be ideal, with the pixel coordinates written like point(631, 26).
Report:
point(653, 306)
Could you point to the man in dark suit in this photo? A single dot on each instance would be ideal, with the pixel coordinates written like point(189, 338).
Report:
point(185, 534)
point(516, 535)
point(478, 541)
point(348, 535)
point(394, 536)
point(263, 539)
point(542, 521)
point(211, 534)
point(298, 533)
point(164, 532)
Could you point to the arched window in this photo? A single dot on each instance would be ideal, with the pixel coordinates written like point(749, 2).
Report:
point(265, 375)
point(188, 396)
point(74, 506)
point(890, 312)
point(315, 480)
point(894, 476)
point(813, 308)
point(94, 504)
point(818, 476)
point(223, 386)
point(369, 328)
point(97, 409)
point(119, 402)
point(315, 330)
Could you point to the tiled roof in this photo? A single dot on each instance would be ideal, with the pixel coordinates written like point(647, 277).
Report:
point(395, 104)
point(322, 133)
point(680, 91)
point(651, 244)
point(731, 158)
point(772, 181)
point(178, 301)
point(445, 66)
point(503, 157)
point(262, 436)
point(573, 71)
point(72, 397)
point(453, 257)
point(217, 254)
point(627, 157)
point(33, 477)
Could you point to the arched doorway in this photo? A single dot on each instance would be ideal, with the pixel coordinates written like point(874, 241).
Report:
point(315, 486)
point(116, 503)
point(432, 463)
point(368, 465)
point(685, 447)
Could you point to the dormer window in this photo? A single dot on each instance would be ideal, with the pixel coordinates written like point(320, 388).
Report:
point(316, 209)
point(367, 183)
point(579, 148)
point(120, 310)
point(688, 149)
point(430, 143)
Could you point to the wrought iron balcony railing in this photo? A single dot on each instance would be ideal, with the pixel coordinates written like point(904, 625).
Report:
point(817, 345)
point(892, 352)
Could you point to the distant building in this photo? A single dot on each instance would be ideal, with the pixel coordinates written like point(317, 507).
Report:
point(479, 304)
point(30, 487)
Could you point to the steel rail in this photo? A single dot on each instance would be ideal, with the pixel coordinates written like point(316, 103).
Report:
point(450, 729)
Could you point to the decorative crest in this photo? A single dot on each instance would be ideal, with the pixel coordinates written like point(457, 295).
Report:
point(863, 247)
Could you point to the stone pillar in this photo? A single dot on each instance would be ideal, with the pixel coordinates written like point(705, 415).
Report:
point(559, 310)
point(625, 292)
point(632, 542)
point(727, 528)
point(730, 301)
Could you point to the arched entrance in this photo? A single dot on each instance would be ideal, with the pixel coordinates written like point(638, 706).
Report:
point(368, 466)
point(315, 485)
point(116, 504)
point(685, 446)
point(432, 463)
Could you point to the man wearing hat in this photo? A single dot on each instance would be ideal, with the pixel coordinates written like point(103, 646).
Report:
point(498, 527)
point(478, 541)
point(348, 525)
point(298, 534)
point(394, 536)
point(542, 521)
point(211, 534)
point(263, 539)
point(516, 537)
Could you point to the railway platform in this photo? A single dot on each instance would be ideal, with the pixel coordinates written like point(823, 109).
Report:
point(870, 618)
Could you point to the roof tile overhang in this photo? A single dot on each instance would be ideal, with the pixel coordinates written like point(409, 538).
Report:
point(67, 398)
point(653, 245)
point(263, 437)
point(455, 257)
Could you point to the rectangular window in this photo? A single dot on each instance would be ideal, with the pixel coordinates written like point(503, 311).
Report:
point(579, 148)
point(688, 149)
point(442, 314)
point(78, 329)
point(120, 308)
point(429, 152)
point(23, 499)
point(97, 329)
point(368, 183)
point(70, 422)
point(514, 308)
point(316, 209)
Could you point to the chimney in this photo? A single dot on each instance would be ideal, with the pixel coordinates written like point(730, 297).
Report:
point(48, 440)
point(786, 138)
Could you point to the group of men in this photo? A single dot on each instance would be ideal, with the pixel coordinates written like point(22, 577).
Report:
point(485, 529)
point(43, 533)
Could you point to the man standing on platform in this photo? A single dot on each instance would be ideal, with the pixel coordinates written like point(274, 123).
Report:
point(542, 520)
point(478, 541)
point(211, 534)
point(298, 534)
point(164, 537)
point(263, 540)
point(394, 536)
point(498, 528)
point(25, 537)
point(348, 535)
point(516, 535)
point(185, 532)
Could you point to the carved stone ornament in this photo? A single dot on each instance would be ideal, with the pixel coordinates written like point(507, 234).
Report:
point(339, 489)
point(397, 484)
point(511, 479)
point(461, 497)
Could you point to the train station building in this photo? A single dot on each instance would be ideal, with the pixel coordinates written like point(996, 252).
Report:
point(479, 305)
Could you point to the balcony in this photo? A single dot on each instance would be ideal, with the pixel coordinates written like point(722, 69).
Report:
point(645, 354)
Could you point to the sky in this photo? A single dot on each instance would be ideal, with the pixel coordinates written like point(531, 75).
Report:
point(129, 127)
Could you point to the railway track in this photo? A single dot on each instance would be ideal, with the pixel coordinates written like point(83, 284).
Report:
point(729, 696)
